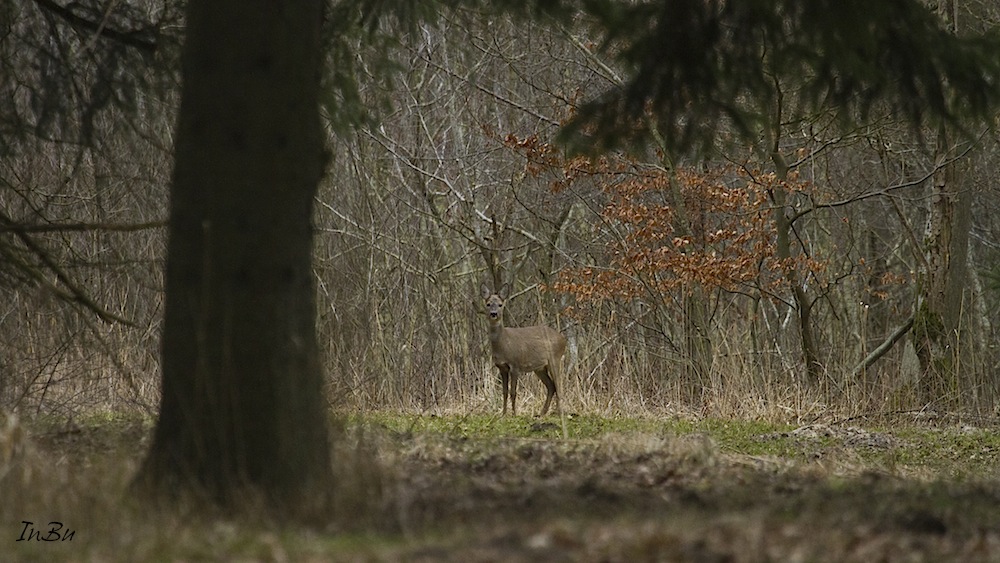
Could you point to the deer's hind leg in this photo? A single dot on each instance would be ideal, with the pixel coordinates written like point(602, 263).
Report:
point(513, 390)
point(548, 379)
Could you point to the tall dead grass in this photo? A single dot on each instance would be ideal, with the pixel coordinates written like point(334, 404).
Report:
point(71, 484)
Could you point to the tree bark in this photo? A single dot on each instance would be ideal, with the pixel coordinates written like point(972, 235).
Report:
point(942, 285)
point(242, 405)
point(783, 249)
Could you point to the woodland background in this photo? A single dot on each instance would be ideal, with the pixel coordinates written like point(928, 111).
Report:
point(749, 279)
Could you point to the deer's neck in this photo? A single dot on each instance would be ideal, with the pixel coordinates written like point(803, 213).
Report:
point(496, 331)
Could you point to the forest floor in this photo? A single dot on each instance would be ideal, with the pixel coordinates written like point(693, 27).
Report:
point(484, 488)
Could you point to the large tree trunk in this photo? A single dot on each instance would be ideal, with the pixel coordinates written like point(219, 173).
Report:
point(242, 404)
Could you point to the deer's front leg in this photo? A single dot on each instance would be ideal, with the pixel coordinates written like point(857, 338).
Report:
point(504, 381)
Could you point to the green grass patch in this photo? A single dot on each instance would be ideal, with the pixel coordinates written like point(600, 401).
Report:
point(481, 426)
point(736, 436)
point(950, 453)
point(933, 452)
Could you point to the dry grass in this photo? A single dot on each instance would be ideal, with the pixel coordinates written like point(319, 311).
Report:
point(70, 483)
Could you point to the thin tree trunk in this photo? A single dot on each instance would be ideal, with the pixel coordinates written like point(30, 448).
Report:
point(242, 404)
point(783, 249)
point(697, 340)
point(698, 345)
point(942, 285)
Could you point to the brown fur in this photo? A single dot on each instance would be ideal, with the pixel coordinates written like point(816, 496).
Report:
point(519, 350)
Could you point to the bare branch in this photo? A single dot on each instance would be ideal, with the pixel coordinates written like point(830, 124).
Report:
point(131, 38)
point(66, 288)
point(882, 348)
point(82, 227)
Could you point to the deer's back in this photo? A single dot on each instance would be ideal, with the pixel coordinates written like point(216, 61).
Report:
point(527, 348)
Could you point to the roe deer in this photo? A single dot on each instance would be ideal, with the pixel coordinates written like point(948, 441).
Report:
point(518, 350)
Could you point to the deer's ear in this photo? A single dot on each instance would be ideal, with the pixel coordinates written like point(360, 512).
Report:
point(503, 291)
point(486, 291)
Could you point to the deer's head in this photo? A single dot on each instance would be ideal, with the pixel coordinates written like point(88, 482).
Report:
point(493, 302)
